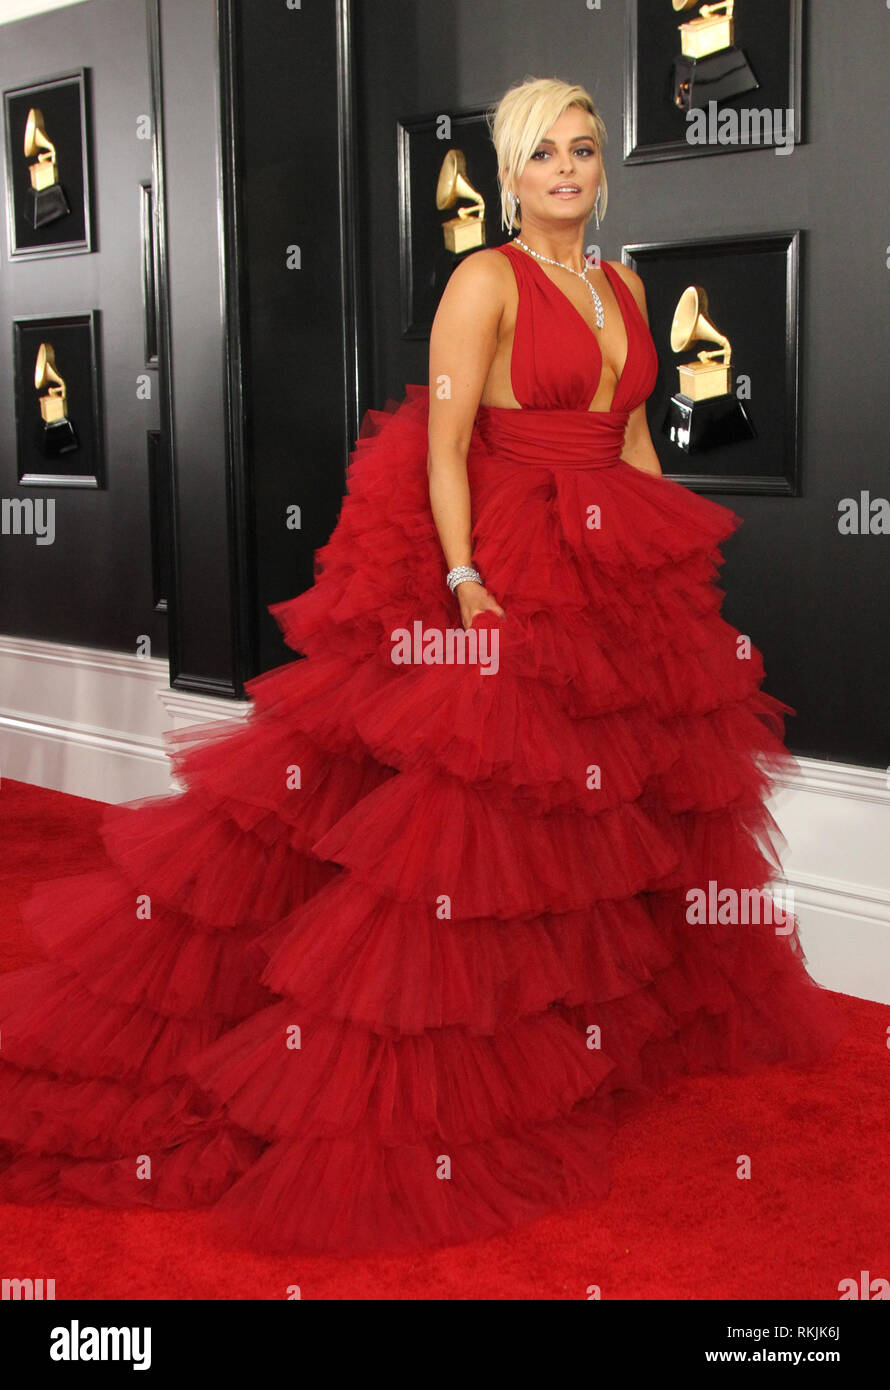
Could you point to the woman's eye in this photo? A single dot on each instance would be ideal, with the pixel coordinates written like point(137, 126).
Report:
point(583, 149)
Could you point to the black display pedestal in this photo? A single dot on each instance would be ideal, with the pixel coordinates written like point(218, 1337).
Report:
point(697, 425)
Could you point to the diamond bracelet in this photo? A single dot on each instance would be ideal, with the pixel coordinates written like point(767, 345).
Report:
point(461, 573)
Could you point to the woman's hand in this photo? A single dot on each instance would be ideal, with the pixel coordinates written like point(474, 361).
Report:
point(474, 599)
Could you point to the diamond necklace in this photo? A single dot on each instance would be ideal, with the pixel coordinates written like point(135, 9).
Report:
point(581, 274)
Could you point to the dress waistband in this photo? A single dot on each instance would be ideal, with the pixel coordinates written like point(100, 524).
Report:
point(553, 438)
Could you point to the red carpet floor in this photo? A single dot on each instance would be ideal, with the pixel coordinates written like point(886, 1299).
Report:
point(677, 1223)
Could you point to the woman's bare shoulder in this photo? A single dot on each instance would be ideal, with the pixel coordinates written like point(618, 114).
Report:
point(482, 279)
point(631, 279)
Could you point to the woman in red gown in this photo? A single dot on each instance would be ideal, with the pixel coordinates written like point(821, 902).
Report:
point(390, 969)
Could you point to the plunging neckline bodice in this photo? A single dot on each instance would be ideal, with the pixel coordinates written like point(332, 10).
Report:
point(609, 273)
point(556, 360)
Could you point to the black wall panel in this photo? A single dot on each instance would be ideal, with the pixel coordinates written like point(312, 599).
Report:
point(92, 587)
point(298, 352)
point(255, 404)
point(203, 641)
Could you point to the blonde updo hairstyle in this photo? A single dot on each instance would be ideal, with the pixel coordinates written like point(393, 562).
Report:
point(522, 116)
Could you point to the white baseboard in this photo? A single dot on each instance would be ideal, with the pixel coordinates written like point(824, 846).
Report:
point(90, 722)
point(836, 820)
point(14, 10)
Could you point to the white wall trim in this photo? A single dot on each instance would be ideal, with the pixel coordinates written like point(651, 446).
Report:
point(835, 818)
point(849, 899)
point(13, 10)
point(150, 668)
point(840, 779)
point(183, 707)
point(82, 735)
point(90, 722)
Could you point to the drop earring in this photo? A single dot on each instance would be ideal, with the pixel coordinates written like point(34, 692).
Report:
point(596, 208)
point(514, 204)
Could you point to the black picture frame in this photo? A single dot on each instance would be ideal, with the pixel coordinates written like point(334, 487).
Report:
point(770, 34)
point(425, 264)
point(753, 285)
point(76, 342)
point(65, 103)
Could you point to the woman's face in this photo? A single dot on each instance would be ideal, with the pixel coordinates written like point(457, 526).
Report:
point(560, 181)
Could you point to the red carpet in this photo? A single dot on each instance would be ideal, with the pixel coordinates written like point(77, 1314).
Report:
point(678, 1222)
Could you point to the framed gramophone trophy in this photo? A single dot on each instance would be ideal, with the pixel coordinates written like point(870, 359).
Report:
point(58, 409)
point(724, 316)
point(704, 412)
point(738, 62)
point(48, 193)
point(465, 231)
point(711, 66)
point(449, 206)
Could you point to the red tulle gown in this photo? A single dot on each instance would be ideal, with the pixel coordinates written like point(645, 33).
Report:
point(345, 987)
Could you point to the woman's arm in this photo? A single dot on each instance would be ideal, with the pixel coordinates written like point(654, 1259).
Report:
point(463, 343)
point(638, 450)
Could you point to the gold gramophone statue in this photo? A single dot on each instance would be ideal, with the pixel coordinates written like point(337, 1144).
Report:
point(45, 200)
point(57, 434)
point(704, 413)
point(466, 231)
point(710, 66)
